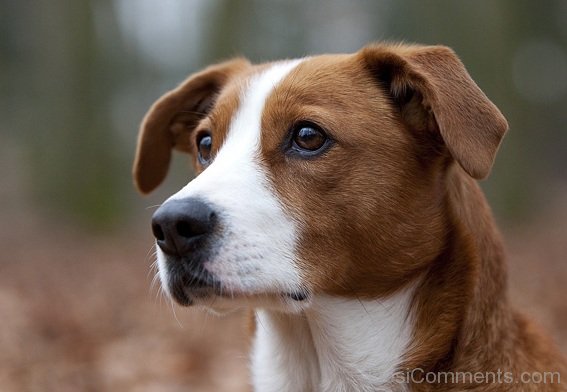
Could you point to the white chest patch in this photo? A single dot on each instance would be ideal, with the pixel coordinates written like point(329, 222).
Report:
point(336, 345)
point(254, 253)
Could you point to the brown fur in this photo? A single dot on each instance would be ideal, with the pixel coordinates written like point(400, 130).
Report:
point(393, 201)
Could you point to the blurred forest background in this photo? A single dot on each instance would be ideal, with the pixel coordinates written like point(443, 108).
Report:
point(76, 77)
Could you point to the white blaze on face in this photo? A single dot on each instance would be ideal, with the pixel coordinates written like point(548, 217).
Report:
point(255, 249)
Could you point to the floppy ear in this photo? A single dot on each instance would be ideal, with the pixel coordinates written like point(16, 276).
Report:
point(170, 120)
point(434, 90)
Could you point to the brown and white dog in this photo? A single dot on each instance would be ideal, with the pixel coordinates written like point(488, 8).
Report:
point(336, 196)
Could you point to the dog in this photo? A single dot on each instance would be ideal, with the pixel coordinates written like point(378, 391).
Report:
point(336, 195)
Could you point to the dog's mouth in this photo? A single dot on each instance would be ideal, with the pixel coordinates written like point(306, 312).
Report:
point(189, 286)
point(188, 290)
point(187, 295)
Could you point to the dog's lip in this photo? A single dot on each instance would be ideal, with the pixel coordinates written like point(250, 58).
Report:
point(180, 296)
point(299, 295)
point(187, 287)
point(189, 295)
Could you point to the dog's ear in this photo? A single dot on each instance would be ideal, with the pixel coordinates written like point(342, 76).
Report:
point(433, 89)
point(170, 120)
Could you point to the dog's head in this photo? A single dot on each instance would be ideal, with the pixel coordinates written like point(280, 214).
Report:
point(320, 175)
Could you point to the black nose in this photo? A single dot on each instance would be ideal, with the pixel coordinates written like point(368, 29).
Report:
point(179, 224)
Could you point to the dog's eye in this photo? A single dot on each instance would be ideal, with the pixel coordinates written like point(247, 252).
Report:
point(205, 144)
point(308, 138)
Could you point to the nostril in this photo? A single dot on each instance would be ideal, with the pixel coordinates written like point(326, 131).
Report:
point(158, 232)
point(184, 229)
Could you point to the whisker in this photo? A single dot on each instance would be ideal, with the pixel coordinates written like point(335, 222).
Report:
point(149, 253)
point(175, 314)
point(153, 268)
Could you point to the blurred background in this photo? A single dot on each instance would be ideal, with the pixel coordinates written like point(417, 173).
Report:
point(77, 311)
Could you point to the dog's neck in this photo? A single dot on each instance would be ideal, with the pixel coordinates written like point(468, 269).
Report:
point(436, 323)
point(465, 288)
point(337, 345)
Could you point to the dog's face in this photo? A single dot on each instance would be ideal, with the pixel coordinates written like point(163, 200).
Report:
point(320, 175)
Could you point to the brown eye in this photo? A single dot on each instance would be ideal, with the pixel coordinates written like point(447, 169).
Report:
point(205, 145)
point(308, 138)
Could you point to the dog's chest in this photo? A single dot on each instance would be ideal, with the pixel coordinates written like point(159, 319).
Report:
point(338, 345)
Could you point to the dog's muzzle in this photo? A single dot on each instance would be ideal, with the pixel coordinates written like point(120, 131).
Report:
point(189, 233)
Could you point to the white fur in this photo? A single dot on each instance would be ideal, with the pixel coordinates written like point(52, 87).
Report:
point(336, 344)
point(256, 253)
point(284, 356)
